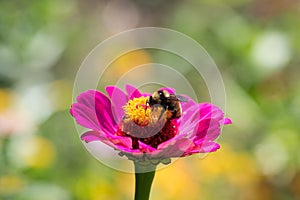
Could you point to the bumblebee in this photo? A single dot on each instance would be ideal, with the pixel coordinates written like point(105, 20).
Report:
point(169, 102)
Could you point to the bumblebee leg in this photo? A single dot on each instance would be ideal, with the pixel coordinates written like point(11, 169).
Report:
point(158, 113)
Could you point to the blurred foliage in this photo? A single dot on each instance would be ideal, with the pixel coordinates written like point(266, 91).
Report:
point(255, 44)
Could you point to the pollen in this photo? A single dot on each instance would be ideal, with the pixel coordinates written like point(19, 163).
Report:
point(138, 111)
point(147, 124)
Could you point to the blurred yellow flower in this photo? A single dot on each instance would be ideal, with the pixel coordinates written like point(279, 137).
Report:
point(60, 94)
point(92, 187)
point(32, 151)
point(238, 167)
point(123, 64)
point(123, 180)
point(10, 184)
point(172, 183)
point(104, 191)
point(40, 154)
point(6, 97)
point(130, 60)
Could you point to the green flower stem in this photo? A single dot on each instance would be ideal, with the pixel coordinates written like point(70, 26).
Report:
point(143, 182)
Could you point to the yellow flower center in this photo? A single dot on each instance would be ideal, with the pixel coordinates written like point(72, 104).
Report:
point(149, 125)
point(138, 111)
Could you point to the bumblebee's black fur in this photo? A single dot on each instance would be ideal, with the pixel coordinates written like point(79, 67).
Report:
point(170, 102)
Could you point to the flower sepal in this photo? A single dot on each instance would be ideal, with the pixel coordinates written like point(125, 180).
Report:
point(145, 161)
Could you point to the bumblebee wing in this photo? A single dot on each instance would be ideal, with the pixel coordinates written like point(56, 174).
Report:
point(175, 97)
point(181, 98)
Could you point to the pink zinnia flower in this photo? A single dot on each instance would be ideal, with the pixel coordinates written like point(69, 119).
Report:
point(146, 137)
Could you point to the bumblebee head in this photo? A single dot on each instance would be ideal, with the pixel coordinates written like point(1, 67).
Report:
point(161, 94)
point(158, 97)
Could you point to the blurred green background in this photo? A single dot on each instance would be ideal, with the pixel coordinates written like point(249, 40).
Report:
point(255, 44)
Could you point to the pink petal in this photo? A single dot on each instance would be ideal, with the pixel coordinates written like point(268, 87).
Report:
point(202, 122)
point(170, 90)
point(146, 94)
point(210, 110)
point(118, 99)
point(132, 92)
point(103, 111)
point(95, 108)
point(146, 148)
point(174, 149)
point(227, 121)
point(199, 112)
point(117, 142)
point(209, 146)
point(88, 98)
point(126, 142)
point(208, 129)
point(188, 113)
point(91, 136)
point(129, 152)
point(188, 104)
point(205, 147)
point(85, 116)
